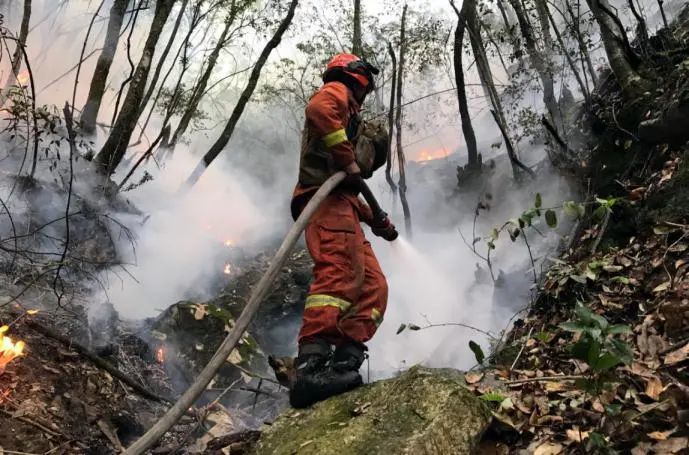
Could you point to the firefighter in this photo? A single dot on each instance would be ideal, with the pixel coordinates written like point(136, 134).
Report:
point(348, 294)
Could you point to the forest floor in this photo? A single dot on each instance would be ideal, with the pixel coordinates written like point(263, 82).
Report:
point(601, 362)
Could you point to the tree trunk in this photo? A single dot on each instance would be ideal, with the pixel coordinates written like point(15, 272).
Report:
point(21, 42)
point(467, 127)
point(540, 62)
point(89, 114)
point(195, 21)
point(514, 41)
point(486, 76)
point(357, 47)
point(200, 88)
point(572, 64)
point(116, 145)
point(402, 182)
point(583, 49)
point(391, 120)
point(633, 85)
point(225, 136)
point(163, 57)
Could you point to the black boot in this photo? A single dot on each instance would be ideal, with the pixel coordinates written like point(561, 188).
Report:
point(349, 356)
point(316, 379)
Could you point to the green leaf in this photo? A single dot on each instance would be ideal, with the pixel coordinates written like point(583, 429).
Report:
point(514, 233)
point(619, 329)
point(539, 201)
point(401, 328)
point(593, 354)
point(621, 350)
point(494, 234)
point(600, 321)
point(605, 362)
point(551, 218)
point(578, 278)
point(620, 279)
point(613, 409)
point(583, 313)
point(580, 349)
point(493, 397)
point(478, 352)
point(599, 213)
point(572, 327)
point(573, 209)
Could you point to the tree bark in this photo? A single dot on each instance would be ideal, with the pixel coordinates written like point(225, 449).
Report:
point(163, 57)
point(633, 85)
point(572, 64)
point(225, 136)
point(467, 127)
point(540, 62)
point(89, 114)
point(200, 88)
point(401, 160)
point(391, 120)
point(21, 42)
point(357, 46)
point(583, 49)
point(486, 76)
point(115, 147)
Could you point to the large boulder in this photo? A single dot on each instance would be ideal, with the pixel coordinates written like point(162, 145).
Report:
point(423, 411)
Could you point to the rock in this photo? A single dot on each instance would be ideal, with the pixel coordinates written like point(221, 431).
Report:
point(278, 319)
point(423, 411)
point(190, 333)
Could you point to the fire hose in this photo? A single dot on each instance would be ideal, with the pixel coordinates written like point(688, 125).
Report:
point(258, 293)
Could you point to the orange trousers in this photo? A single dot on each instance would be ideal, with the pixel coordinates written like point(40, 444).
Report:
point(349, 293)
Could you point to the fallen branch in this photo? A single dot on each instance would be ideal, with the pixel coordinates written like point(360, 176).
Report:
point(97, 360)
point(544, 379)
point(38, 425)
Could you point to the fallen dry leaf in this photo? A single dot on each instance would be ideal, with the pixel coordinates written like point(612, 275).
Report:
point(576, 435)
point(660, 435)
point(473, 378)
point(556, 386)
point(678, 355)
point(672, 445)
point(654, 386)
point(549, 448)
point(200, 312)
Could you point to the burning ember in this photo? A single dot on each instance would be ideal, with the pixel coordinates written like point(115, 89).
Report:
point(228, 269)
point(9, 350)
point(160, 355)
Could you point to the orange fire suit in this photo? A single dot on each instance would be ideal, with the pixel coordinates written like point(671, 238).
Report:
point(348, 294)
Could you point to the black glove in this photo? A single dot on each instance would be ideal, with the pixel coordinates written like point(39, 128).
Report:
point(385, 229)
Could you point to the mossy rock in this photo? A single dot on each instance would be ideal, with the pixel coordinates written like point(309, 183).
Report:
point(193, 332)
point(423, 411)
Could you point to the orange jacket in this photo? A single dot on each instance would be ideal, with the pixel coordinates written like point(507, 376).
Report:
point(328, 115)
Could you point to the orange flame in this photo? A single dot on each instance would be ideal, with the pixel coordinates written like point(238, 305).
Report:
point(9, 350)
point(430, 155)
point(228, 269)
point(160, 355)
point(23, 78)
point(229, 242)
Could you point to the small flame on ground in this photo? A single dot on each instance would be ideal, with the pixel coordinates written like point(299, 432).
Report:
point(229, 243)
point(9, 350)
point(160, 355)
point(228, 269)
point(31, 312)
